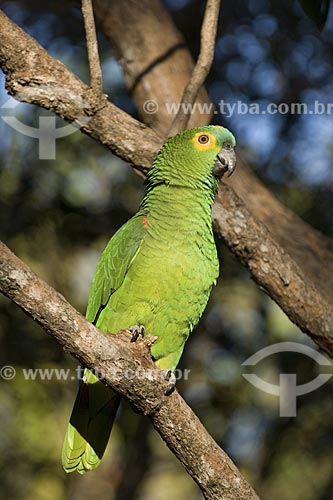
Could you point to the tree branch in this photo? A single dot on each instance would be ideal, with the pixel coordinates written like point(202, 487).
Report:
point(122, 364)
point(202, 67)
point(92, 47)
point(273, 269)
point(146, 43)
point(34, 76)
point(152, 52)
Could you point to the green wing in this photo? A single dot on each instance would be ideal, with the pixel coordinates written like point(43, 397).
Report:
point(114, 264)
point(96, 405)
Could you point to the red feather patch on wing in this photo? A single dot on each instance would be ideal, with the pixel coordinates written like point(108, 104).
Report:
point(145, 222)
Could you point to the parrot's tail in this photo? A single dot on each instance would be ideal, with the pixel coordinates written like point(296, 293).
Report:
point(90, 425)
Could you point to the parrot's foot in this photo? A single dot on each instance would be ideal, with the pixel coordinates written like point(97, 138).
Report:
point(136, 331)
point(171, 378)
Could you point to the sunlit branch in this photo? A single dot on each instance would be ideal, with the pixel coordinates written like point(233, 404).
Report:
point(202, 67)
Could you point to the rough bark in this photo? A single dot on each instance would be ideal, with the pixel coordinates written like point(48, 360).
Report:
point(34, 76)
point(129, 369)
point(273, 269)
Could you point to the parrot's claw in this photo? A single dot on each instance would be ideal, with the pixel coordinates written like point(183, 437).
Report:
point(136, 331)
point(171, 378)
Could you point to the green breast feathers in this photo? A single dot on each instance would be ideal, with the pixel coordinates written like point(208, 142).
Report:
point(157, 271)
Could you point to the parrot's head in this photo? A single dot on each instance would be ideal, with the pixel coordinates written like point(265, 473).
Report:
point(196, 156)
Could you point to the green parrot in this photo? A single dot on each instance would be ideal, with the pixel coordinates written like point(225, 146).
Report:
point(157, 271)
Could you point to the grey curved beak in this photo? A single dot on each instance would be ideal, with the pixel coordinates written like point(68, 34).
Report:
point(225, 162)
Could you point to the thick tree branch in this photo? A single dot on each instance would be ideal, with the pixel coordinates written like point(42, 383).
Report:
point(34, 76)
point(92, 47)
point(202, 67)
point(308, 247)
point(273, 269)
point(117, 359)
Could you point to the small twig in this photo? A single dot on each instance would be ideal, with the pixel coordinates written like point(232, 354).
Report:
point(202, 67)
point(92, 46)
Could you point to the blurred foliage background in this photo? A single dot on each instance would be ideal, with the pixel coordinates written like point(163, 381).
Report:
point(57, 215)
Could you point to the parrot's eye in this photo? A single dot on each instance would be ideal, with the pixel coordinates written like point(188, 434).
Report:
point(203, 139)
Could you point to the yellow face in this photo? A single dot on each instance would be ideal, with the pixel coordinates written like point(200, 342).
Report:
point(205, 141)
point(191, 155)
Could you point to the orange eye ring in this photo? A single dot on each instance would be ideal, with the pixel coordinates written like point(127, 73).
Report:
point(203, 139)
